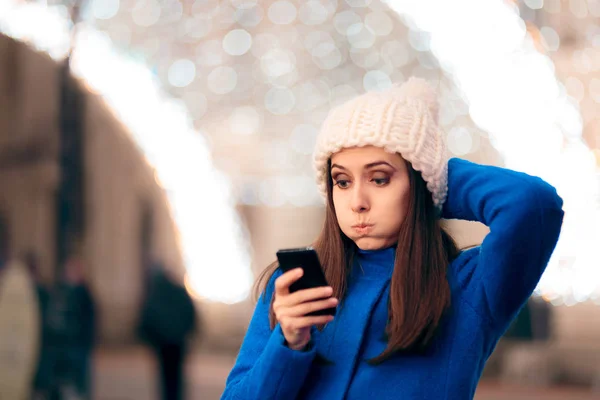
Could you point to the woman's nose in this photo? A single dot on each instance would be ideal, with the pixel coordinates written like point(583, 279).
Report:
point(359, 202)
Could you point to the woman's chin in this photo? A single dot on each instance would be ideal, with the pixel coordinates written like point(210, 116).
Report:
point(369, 243)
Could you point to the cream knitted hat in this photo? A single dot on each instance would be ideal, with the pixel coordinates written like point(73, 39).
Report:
point(402, 119)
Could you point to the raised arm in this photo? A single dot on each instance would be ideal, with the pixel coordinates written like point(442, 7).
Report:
point(524, 215)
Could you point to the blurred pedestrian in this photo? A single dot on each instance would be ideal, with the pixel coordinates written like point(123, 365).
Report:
point(167, 321)
point(43, 371)
point(82, 327)
point(71, 320)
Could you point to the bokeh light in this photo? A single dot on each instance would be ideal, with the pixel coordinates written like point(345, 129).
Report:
point(182, 73)
point(146, 13)
point(105, 9)
point(245, 120)
point(237, 42)
point(517, 77)
point(222, 80)
point(282, 12)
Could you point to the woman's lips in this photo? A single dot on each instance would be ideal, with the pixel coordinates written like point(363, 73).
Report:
point(362, 229)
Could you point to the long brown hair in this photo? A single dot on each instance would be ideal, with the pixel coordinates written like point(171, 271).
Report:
point(419, 290)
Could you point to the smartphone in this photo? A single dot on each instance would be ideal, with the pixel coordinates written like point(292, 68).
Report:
point(307, 259)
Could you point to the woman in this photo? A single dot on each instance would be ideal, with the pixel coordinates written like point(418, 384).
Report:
point(416, 319)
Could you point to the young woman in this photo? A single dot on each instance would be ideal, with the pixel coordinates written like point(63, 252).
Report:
point(416, 318)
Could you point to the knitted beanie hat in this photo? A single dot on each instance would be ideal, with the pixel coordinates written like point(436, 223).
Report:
point(402, 119)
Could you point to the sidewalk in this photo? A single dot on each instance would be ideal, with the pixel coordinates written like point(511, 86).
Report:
point(130, 374)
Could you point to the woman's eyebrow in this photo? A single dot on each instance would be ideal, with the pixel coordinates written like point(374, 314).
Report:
point(337, 166)
point(378, 163)
point(367, 166)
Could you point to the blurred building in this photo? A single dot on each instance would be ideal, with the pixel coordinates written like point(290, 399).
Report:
point(127, 220)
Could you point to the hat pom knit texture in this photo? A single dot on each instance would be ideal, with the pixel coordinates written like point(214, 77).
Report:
point(402, 119)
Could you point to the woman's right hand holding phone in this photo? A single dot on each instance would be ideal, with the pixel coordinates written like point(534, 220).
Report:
point(291, 309)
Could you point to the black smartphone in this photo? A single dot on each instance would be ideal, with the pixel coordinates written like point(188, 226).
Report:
point(307, 259)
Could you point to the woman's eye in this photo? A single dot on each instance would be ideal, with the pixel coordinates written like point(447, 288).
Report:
point(381, 181)
point(342, 184)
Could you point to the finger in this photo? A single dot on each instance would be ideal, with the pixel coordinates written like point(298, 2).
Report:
point(306, 295)
point(307, 308)
point(306, 322)
point(282, 284)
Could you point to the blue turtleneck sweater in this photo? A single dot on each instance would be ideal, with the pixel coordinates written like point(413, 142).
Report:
point(489, 284)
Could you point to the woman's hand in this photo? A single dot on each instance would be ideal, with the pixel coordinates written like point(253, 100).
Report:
point(291, 308)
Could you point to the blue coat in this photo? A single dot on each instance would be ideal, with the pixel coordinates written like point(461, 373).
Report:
point(489, 285)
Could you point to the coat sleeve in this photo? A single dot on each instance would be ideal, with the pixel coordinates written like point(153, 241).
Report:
point(524, 215)
point(265, 367)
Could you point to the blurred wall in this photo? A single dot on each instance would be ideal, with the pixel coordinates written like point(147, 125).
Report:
point(119, 184)
point(28, 151)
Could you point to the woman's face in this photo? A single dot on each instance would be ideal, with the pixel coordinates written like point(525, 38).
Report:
point(370, 195)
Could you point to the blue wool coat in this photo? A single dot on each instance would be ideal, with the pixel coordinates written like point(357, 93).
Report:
point(489, 284)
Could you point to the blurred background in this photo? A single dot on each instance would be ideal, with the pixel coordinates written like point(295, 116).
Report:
point(155, 154)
